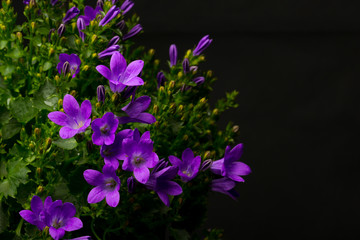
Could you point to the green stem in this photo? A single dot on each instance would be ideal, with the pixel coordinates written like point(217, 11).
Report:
point(93, 230)
point(18, 228)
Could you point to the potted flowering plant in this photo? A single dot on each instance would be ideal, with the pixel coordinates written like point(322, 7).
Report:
point(96, 140)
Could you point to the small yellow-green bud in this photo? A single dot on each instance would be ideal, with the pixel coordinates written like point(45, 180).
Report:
point(209, 73)
point(181, 107)
point(203, 100)
point(92, 23)
point(85, 68)
point(171, 84)
point(98, 104)
point(40, 189)
point(161, 88)
point(155, 108)
point(151, 51)
point(48, 143)
point(38, 75)
point(51, 51)
point(68, 75)
point(63, 39)
point(61, 110)
point(19, 36)
point(73, 93)
point(114, 97)
point(93, 38)
point(46, 231)
point(185, 137)
point(215, 111)
point(38, 170)
point(32, 146)
point(156, 62)
point(169, 92)
point(73, 25)
point(207, 154)
point(32, 25)
point(188, 52)
point(201, 58)
point(37, 132)
point(78, 41)
point(172, 106)
point(56, 78)
point(94, 55)
point(8, 2)
point(180, 74)
point(60, 102)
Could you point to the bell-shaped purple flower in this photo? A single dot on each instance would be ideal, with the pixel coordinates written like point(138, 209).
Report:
point(139, 157)
point(112, 13)
point(121, 75)
point(73, 60)
point(229, 167)
point(104, 129)
point(135, 111)
point(160, 182)
point(202, 45)
point(100, 3)
point(126, 6)
point(113, 153)
point(107, 185)
point(90, 14)
point(39, 210)
point(61, 218)
point(188, 167)
point(75, 119)
point(173, 55)
point(70, 14)
point(160, 79)
point(109, 51)
point(225, 186)
point(135, 30)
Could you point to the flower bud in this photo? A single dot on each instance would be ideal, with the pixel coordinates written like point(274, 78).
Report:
point(120, 25)
point(114, 97)
point(235, 128)
point(199, 80)
point(19, 36)
point(101, 93)
point(180, 108)
point(160, 79)
point(51, 51)
point(93, 38)
point(38, 170)
point(203, 100)
point(66, 68)
point(100, 3)
point(186, 65)
point(151, 51)
point(98, 104)
point(215, 111)
point(40, 189)
point(194, 69)
point(94, 55)
point(113, 41)
point(56, 78)
point(85, 68)
point(185, 137)
point(32, 25)
point(161, 89)
point(50, 34)
point(180, 74)
point(131, 183)
point(171, 84)
point(188, 52)
point(61, 29)
point(135, 30)
point(155, 108)
point(173, 54)
point(205, 165)
point(37, 132)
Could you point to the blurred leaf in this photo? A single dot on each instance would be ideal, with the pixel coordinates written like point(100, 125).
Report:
point(67, 144)
point(4, 115)
point(10, 129)
point(15, 53)
point(43, 30)
point(4, 219)
point(7, 70)
point(71, 42)
point(47, 66)
point(3, 44)
point(22, 109)
point(179, 234)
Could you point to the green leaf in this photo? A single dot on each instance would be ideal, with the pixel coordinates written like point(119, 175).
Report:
point(4, 219)
point(47, 66)
point(22, 109)
point(17, 174)
point(3, 171)
point(45, 98)
point(7, 70)
point(67, 144)
point(10, 129)
point(15, 53)
point(43, 30)
point(71, 42)
point(179, 234)
point(3, 44)
point(4, 115)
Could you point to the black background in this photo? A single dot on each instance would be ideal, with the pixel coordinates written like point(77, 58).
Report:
point(296, 65)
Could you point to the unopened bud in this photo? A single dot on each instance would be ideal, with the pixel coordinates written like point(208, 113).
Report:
point(203, 100)
point(93, 38)
point(171, 84)
point(114, 97)
point(60, 102)
point(180, 108)
point(151, 51)
point(206, 165)
point(209, 73)
point(161, 88)
point(19, 36)
point(156, 62)
point(40, 189)
point(85, 68)
point(98, 104)
point(180, 74)
point(235, 128)
point(194, 69)
point(51, 51)
point(155, 108)
point(186, 65)
point(38, 170)
point(32, 146)
point(188, 52)
point(120, 25)
point(66, 68)
point(56, 78)
point(131, 183)
point(207, 154)
point(215, 111)
point(37, 132)
point(48, 143)
point(78, 41)
point(32, 25)
point(100, 3)
point(185, 137)
point(94, 55)
point(61, 29)
point(100, 93)
point(73, 93)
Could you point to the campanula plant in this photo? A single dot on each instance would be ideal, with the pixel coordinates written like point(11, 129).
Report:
point(98, 142)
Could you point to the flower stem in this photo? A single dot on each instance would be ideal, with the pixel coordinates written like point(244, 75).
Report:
point(93, 230)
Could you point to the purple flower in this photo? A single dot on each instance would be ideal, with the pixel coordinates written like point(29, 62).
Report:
point(113, 12)
point(226, 186)
point(113, 152)
point(81, 26)
point(73, 60)
point(121, 75)
point(159, 181)
point(75, 119)
point(70, 14)
point(90, 14)
point(173, 54)
point(199, 80)
point(126, 6)
point(135, 30)
point(39, 210)
point(160, 79)
point(188, 167)
point(113, 41)
point(135, 110)
point(104, 129)
point(60, 218)
point(139, 156)
point(202, 45)
point(109, 51)
point(107, 185)
point(186, 66)
point(228, 167)
point(26, 2)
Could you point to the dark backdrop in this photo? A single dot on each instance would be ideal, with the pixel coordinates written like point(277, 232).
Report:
point(296, 65)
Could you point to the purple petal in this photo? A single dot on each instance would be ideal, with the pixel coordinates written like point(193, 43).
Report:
point(142, 174)
point(240, 168)
point(113, 198)
point(68, 210)
point(86, 109)
point(113, 162)
point(187, 156)
point(133, 69)
point(146, 118)
point(133, 109)
point(90, 12)
point(66, 132)
point(71, 106)
point(103, 70)
point(73, 224)
point(164, 198)
point(59, 118)
point(135, 81)
point(93, 177)
point(36, 204)
point(117, 64)
point(63, 57)
point(47, 203)
point(167, 173)
point(217, 166)
point(96, 195)
point(171, 188)
point(28, 216)
point(56, 234)
point(175, 161)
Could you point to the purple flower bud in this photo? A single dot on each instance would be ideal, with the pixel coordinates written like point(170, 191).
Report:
point(131, 183)
point(130, 91)
point(202, 45)
point(199, 80)
point(160, 165)
point(61, 29)
point(186, 66)
point(50, 32)
point(100, 3)
point(26, 2)
point(126, 6)
point(120, 25)
point(112, 13)
point(113, 41)
point(114, 1)
point(101, 93)
point(53, 2)
point(135, 30)
point(160, 79)
point(193, 68)
point(66, 68)
point(173, 54)
point(109, 51)
point(70, 14)
point(206, 165)
point(81, 26)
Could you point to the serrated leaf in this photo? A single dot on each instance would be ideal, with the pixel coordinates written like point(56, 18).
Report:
point(10, 129)
point(67, 144)
point(47, 66)
point(22, 109)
